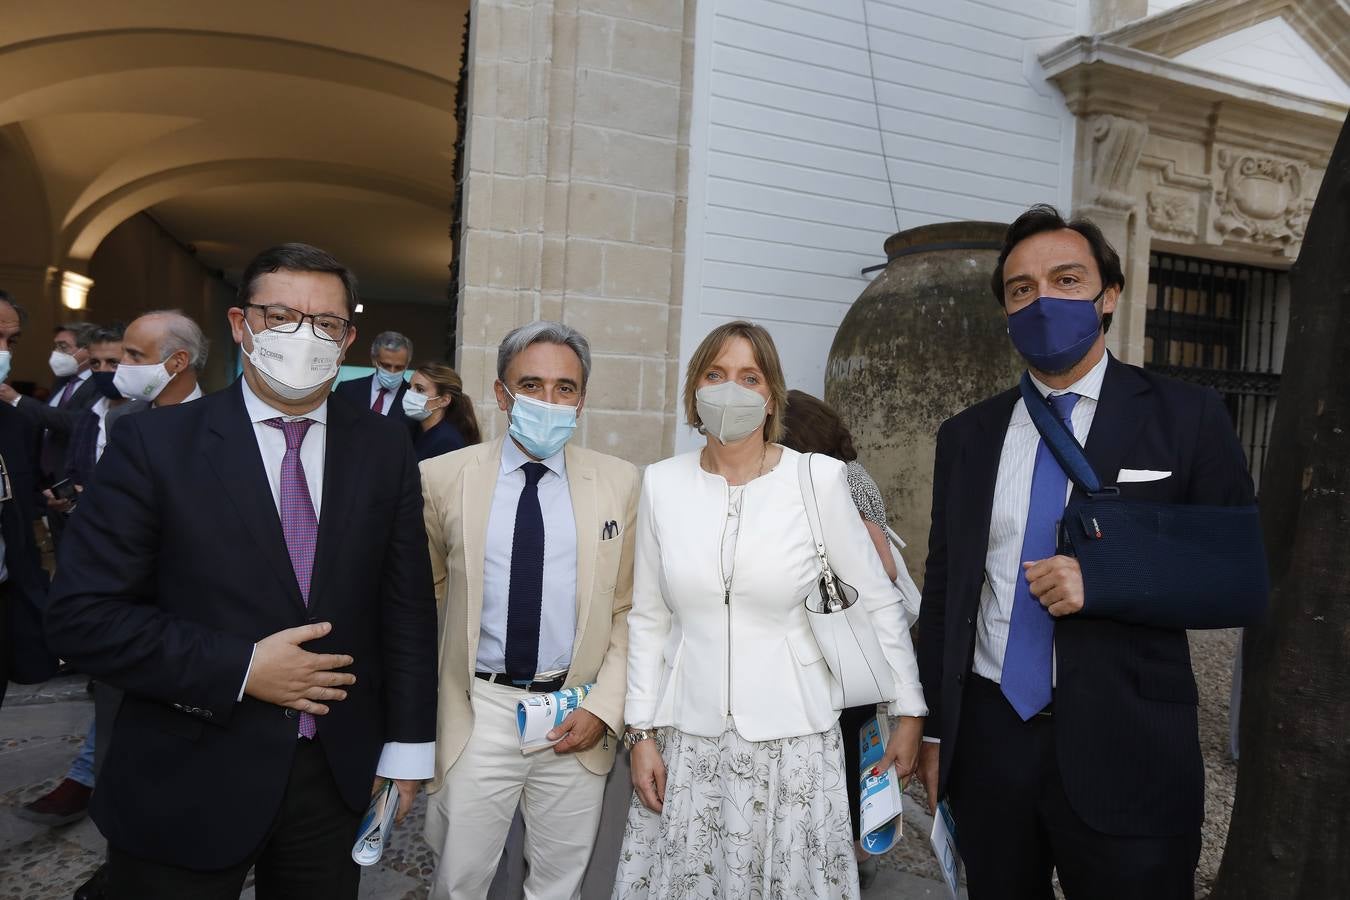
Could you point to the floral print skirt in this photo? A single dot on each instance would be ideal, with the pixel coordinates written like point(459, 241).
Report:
point(743, 820)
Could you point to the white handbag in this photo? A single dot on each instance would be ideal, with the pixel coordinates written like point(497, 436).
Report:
point(841, 624)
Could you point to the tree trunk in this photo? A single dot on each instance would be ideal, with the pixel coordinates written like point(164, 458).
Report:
point(1290, 832)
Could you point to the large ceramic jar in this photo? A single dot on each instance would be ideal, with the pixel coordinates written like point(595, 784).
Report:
point(924, 340)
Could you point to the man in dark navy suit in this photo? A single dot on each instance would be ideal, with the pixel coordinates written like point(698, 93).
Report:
point(1064, 742)
point(391, 354)
point(23, 583)
point(252, 570)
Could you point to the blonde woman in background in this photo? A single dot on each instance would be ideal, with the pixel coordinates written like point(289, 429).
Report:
point(736, 753)
point(435, 401)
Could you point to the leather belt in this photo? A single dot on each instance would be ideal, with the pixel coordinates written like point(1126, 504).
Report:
point(534, 687)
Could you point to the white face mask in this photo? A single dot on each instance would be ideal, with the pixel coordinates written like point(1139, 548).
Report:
point(63, 364)
point(294, 365)
point(142, 382)
point(5, 359)
point(415, 406)
point(729, 411)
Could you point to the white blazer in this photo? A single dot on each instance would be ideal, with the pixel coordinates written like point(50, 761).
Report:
point(697, 654)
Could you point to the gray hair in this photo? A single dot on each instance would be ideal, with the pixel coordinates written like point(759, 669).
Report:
point(83, 332)
point(181, 333)
point(391, 340)
point(547, 333)
point(6, 297)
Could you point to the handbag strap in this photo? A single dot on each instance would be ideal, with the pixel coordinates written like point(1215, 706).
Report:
point(1063, 445)
point(808, 484)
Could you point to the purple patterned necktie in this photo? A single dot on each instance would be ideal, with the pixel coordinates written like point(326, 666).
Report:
point(298, 522)
point(1029, 657)
point(69, 389)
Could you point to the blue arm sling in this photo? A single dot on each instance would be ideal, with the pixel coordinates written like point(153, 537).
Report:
point(1162, 564)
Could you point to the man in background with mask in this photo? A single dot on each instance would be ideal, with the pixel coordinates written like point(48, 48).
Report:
point(390, 353)
point(1063, 742)
point(72, 395)
point(532, 549)
point(163, 355)
point(274, 657)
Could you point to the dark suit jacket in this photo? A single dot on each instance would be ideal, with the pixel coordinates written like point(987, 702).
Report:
point(176, 564)
point(438, 440)
point(59, 423)
point(25, 594)
point(1125, 701)
point(358, 391)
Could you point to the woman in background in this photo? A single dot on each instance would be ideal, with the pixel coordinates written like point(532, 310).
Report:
point(436, 401)
point(812, 426)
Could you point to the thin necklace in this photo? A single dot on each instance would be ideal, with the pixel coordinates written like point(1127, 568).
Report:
point(763, 455)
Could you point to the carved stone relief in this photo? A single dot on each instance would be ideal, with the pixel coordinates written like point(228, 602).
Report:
point(1260, 198)
point(1170, 212)
point(1116, 145)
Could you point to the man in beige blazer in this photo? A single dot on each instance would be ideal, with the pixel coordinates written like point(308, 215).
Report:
point(532, 551)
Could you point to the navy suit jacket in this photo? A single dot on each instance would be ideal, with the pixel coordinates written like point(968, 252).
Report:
point(176, 564)
point(1125, 702)
point(21, 614)
point(438, 440)
point(357, 391)
point(59, 422)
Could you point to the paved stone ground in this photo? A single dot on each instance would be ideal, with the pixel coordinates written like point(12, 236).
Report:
point(41, 730)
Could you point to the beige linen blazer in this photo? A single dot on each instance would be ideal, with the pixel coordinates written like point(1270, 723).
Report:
point(457, 489)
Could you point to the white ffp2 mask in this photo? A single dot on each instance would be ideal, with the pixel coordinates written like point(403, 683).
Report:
point(294, 365)
point(729, 412)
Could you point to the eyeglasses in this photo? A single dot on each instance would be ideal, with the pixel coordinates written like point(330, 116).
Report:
point(288, 321)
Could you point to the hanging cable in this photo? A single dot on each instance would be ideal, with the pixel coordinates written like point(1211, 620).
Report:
point(876, 107)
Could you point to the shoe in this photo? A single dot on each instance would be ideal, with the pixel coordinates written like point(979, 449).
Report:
point(67, 802)
point(867, 872)
point(96, 888)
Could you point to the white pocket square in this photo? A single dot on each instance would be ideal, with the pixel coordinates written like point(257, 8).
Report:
point(1135, 475)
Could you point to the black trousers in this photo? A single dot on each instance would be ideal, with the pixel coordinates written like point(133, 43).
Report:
point(1014, 824)
point(306, 853)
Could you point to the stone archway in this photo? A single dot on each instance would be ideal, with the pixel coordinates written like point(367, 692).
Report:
point(338, 130)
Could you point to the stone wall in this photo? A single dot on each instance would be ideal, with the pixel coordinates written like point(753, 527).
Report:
point(576, 150)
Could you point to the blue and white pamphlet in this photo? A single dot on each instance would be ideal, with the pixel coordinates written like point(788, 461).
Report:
point(880, 803)
point(373, 835)
point(944, 848)
point(538, 714)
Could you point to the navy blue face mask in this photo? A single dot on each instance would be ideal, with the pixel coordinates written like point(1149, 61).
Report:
point(104, 382)
point(1053, 334)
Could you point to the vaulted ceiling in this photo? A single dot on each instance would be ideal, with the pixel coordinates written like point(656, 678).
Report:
point(241, 124)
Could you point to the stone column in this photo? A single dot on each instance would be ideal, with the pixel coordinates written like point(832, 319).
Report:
point(1108, 153)
point(571, 196)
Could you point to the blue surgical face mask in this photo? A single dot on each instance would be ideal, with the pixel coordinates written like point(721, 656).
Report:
point(5, 358)
point(104, 382)
point(1053, 334)
point(390, 381)
point(541, 429)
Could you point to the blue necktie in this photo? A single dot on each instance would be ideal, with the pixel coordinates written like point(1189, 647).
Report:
point(1031, 630)
point(525, 594)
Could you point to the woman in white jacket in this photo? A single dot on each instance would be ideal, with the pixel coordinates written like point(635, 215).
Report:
point(736, 752)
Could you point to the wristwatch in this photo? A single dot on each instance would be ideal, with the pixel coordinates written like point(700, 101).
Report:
point(635, 735)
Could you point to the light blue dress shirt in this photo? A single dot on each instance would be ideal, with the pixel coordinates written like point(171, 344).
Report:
point(558, 616)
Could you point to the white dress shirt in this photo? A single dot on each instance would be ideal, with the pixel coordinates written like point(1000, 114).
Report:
point(1008, 521)
point(398, 760)
point(389, 395)
point(558, 614)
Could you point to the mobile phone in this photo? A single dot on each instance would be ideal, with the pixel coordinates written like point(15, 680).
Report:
point(64, 490)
